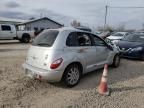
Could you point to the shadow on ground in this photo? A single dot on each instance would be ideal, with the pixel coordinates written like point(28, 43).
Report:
point(129, 69)
point(7, 50)
point(127, 89)
point(10, 42)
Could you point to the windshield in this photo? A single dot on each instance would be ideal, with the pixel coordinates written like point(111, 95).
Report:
point(118, 34)
point(134, 38)
point(46, 38)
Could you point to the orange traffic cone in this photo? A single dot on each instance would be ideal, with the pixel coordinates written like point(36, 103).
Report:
point(103, 87)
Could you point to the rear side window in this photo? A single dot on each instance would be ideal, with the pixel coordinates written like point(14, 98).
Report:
point(78, 39)
point(84, 39)
point(5, 28)
point(72, 39)
point(46, 38)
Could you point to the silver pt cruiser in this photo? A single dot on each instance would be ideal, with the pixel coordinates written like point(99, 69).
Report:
point(66, 54)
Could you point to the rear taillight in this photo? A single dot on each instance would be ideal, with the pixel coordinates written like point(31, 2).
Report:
point(56, 63)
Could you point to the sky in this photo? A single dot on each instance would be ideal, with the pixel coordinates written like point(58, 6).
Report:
point(88, 12)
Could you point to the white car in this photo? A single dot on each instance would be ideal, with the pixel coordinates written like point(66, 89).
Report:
point(66, 54)
point(9, 32)
point(115, 37)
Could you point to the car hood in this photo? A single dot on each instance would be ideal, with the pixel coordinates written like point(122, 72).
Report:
point(114, 37)
point(126, 44)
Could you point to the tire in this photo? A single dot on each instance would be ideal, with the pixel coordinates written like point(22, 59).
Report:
point(116, 61)
point(72, 75)
point(26, 38)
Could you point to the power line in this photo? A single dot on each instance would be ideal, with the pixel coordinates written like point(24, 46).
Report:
point(123, 7)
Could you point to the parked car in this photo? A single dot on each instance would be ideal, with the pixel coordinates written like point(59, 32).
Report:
point(104, 35)
point(66, 54)
point(139, 32)
point(112, 44)
point(115, 37)
point(9, 32)
point(98, 33)
point(132, 46)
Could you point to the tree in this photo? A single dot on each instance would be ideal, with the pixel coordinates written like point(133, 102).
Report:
point(107, 28)
point(121, 27)
point(75, 23)
point(143, 26)
point(32, 18)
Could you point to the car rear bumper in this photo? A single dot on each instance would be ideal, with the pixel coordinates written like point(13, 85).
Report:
point(41, 74)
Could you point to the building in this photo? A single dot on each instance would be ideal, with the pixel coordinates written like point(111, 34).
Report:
point(10, 21)
point(39, 24)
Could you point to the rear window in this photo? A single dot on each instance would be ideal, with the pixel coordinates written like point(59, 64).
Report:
point(46, 38)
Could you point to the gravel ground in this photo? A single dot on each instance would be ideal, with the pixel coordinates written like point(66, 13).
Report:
point(17, 91)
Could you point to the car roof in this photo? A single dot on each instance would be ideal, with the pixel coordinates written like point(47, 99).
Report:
point(70, 29)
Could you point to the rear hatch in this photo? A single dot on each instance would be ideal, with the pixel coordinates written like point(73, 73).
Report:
point(38, 57)
point(41, 49)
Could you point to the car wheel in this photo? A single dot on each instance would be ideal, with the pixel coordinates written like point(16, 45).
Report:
point(72, 75)
point(116, 61)
point(26, 38)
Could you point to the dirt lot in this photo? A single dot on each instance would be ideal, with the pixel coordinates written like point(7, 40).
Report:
point(18, 91)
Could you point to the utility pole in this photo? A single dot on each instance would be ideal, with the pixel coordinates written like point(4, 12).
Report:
point(121, 7)
point(41, 15)
point(106, 11)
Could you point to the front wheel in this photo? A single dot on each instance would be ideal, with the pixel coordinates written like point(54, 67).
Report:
point(116, 61)
point(72, 75)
